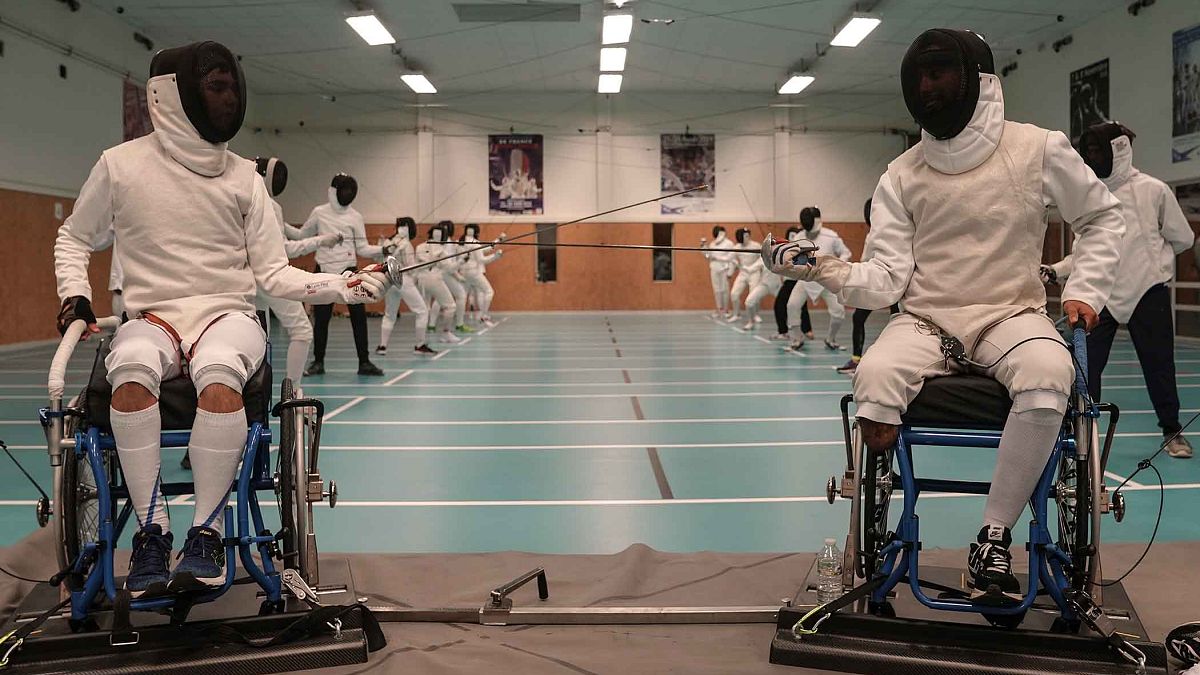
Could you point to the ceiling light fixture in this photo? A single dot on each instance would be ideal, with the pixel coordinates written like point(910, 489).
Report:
point(418, 83)
point(612, 59)
point(855, 30)
point(796, 84)
point(610, 83)
point(370, 29)
point(617, 28)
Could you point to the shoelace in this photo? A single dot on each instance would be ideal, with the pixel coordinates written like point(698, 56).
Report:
point(203, 545)
point(993, 558)
point(153, 549)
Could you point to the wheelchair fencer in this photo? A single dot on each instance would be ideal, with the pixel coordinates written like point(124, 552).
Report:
point(968, 411)
point(89, 489)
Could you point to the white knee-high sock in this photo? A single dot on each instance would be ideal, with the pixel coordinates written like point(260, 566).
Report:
point(835, 327)
point(138, 437)
point(216, 450)
point(385, 328)
point(1025, 447)
point(297, 354)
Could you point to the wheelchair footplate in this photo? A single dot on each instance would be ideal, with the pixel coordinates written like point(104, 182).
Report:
point(199, 646)
point(924, 641)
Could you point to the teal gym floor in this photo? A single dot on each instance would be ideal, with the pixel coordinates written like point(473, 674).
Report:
point(588, 432)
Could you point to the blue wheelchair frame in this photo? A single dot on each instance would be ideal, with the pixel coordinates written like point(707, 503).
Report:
point(95, 561)
point(1050, 567)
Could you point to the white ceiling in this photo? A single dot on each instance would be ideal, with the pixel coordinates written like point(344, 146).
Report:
point(714, 46)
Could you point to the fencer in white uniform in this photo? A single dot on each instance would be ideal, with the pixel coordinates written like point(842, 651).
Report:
point(831, 242)
point(290, 313)
point(958, 225)
point(720, 268)
point(750, 270)
point(400, 246)
point(473, 271)
point(1155, 232)
point(337, 216)
point(197, 235)
point(432, 282)
point(452, 276)
point(768, 286)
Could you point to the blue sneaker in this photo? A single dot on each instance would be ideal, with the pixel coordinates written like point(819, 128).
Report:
point(149, 562)
point(203, 564)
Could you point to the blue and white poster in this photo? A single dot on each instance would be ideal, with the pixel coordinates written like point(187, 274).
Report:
point(1185, 108)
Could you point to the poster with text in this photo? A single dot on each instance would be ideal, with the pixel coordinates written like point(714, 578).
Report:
point(687, 161)
point(1089, 97)
point(1185, 95)
point(1188, 195)
point(135, 112)
point(515, 174)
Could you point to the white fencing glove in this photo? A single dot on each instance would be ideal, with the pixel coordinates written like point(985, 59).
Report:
point(367, 285)
point(1047, 274)
point(795, 260)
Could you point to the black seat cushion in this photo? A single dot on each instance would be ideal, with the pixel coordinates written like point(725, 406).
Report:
point(960, 402)
point(177, 397)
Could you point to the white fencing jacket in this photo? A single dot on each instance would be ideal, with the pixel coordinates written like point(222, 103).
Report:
point(1155, 232)
point(957, 226)
point(196, 230)
point(333, 218)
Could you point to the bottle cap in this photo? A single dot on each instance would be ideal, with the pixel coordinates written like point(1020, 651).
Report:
point(830, 541)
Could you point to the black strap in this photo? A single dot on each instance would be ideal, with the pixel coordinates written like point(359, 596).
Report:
point(27, 629)
point(834, 606)
point(122, 632)
point(314, 622)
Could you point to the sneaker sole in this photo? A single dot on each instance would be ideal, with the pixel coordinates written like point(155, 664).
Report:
point(185, 582)
point(152, 590)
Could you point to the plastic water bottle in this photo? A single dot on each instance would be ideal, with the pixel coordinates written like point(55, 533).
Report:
point(829, 572)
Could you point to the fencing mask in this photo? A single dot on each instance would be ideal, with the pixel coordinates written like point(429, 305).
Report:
point(345, 188)
point(447, 229)
point(742, 235)
point(471, 231)
point(810, 219)
point(436, 234)
point(1107, 147)
point(717, 232)
point(406, 226)
point(794, 234)
point(274, 173)
point(940, 79)
point(211, 87)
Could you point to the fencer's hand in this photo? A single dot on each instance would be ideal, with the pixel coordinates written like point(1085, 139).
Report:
point(327, 240)
point(367, 285)
point(74, 308)
point(1076, 310)
point(388, 249)
point(1047, 274)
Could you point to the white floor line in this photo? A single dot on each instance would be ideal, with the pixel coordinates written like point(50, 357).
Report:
point(395, 379)
point(441, 354)
point(1121, 479)
point(343, 408)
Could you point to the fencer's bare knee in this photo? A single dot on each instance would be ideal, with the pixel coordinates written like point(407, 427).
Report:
point(132, 397)
point(878, 436)
point(220, 398)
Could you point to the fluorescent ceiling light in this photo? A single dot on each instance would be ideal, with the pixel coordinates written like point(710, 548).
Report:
point(612, 59)
point(796, 84)
point(856, 29)
point(610, 83)
point(370, 29)
point(418, 83)
point(617, 28)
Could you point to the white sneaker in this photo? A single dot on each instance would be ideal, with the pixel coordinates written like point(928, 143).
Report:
point(757, 319)
point(732, 318)
point(449, 338)
point(781, 337)
point(749, 325)
point(716, 315)
point(487, 321)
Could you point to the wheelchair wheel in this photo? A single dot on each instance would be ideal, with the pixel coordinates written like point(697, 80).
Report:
point(286, 480)
point(1074, 497)
point(80, 508)
point(876, 498)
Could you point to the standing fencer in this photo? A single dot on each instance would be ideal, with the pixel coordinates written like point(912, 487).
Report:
point(750, 271)
point(958, 224)
point(782, 296)
point(290, 312)
point(858, 337)
point(197, 235)
point(720, 268)
point(432, 282)
point(827, 240)
point(768, 286)
point(400, 246)
point(336, 216)
point(1155, 232)
point(474, 272)
point(452, 277)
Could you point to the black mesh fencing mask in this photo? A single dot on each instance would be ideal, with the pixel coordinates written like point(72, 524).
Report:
point(1097, 147)
point(211, 87)
point(940, 79)
point(346, 187)
point(447, 229)
point(808, 217)
point(274, 173)
point(407, 226)
point(743, 235)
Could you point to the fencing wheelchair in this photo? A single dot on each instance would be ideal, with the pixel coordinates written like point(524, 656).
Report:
point(968, 411)
point(88, 488)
